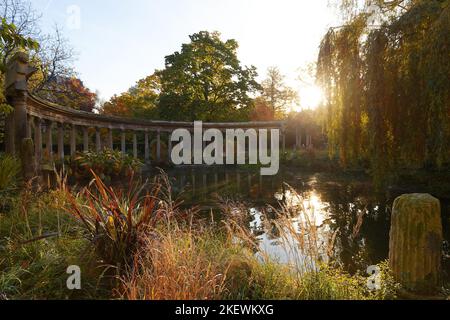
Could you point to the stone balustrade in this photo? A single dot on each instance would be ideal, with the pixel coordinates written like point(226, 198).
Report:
point(76, 130)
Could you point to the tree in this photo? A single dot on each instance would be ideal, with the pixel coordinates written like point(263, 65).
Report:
point(205, 81)
point(276, 94)
point(52, 59)
point(19, 14)
point(262, 111)
point(387, 88)
point(140, 101)
point(71, 92)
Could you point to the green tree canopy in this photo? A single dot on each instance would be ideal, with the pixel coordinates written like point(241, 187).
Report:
point(205, 81)
point(140, 101)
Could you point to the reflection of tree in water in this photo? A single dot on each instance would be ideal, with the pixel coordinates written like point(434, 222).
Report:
point(362, 224)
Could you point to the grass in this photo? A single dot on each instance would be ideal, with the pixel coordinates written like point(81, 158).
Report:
point(133, 244)
point(37, 244)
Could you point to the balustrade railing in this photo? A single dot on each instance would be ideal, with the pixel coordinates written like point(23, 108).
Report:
point(39, 120)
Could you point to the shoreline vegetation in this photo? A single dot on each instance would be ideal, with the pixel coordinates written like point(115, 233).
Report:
point(131, 244)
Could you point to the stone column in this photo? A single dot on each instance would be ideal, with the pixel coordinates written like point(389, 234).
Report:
point(146, 147)
point(110, 139)
point(98, 140)
point(135, 146)
point(169, 147)
point(61, 141)
point(123, 145)
point(73, 140)
point(37, 140)
point(49, 140)
point(85, 139)
point(29, 123)
point(415, 247)
point(158, 145)
point(17, 73)
point(27, 152)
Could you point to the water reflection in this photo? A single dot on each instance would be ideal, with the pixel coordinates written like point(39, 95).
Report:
point(345, 212)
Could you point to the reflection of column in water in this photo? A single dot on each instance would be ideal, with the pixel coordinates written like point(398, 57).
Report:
point(205, 185)
point(183, 181)
point(193, 183)
point(238, 180)
point(226, 178)
point(260, 183)
point(216, 181)
point(249, 180)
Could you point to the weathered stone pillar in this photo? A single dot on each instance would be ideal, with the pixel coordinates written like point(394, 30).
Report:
point(61, 141)
point(85, 139)
point(308, 140)
point(49, 141)
point(146, 148)
point(158, 145)
point(29, 123)
point(37, 141)
point(27, 152)
point(415, 246)
point(135, 146)
point(17, 73)
point(123, 144)
point(169, 147)
point(73, 140)
point(110, 139)
point(98, 140)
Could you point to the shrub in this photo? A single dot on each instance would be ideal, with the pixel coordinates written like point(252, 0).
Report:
point(9, 171)
point(109, 165)
point(113, 219)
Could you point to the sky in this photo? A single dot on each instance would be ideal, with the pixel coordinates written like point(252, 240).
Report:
point(119, 42)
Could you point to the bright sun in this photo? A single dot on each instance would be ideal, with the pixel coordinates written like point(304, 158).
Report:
point(310, 98)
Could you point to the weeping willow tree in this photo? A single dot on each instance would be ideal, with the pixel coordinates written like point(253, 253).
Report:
point(388, 87)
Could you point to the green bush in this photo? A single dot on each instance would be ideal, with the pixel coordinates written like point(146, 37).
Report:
point(109, 165)
point(9, 171)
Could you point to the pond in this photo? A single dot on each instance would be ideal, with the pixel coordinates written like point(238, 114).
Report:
point(344, 206)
